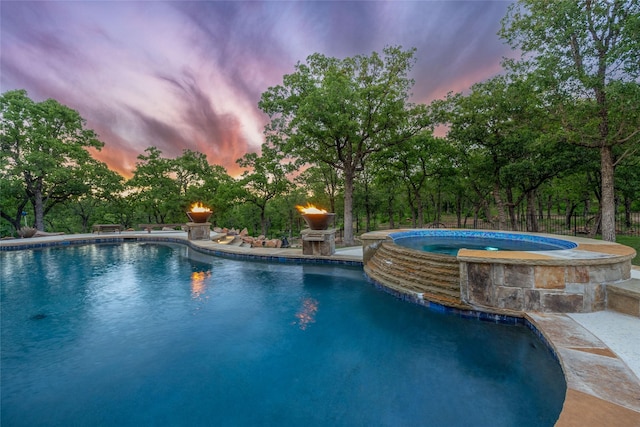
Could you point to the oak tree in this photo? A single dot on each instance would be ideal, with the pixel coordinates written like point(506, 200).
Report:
point(44, 154)
point(339, 111)
point(582, 50)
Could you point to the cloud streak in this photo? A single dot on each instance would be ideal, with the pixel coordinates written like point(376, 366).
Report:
point(189, 75)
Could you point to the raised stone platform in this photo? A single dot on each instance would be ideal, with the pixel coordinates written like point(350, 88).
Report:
point(624, 297)
point(198, 230)
point(318, 242)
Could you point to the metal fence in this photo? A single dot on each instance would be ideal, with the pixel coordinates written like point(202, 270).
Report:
point(628, 225)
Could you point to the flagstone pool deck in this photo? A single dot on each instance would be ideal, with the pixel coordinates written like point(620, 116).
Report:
point(599, 352)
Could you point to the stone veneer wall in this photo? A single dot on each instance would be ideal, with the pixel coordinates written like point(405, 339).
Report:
point(419, 274)
point(545, 288)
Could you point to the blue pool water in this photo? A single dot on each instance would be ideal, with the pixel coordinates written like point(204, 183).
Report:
point(449, 242)
point(149, 334)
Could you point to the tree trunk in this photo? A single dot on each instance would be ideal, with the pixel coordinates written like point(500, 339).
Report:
point(608, 207)
point(459, 210)
point(390, 211)
point(511, 209)
point(487, 213)
point(263, 220)
point(540, 208)
point(34, 193)
point(438, 203)
point(596, 225)
point(367, 208)
point(419, 210)
point(532, 218)
point(502, 217)
point(38, 209)
point(569, 213)
point(348, 239)
point(476, 214)
point(627, 212)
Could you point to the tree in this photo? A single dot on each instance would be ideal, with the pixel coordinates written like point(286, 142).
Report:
point(582, 49)
point(45, 144)
point(322, 182)
point(265, 179)
point(190, 170)
point(415, 161)
point(628, 187)
point(388, 181)
point(105, 188)
point(339, 112)
point(157, 192)
point(507, 137)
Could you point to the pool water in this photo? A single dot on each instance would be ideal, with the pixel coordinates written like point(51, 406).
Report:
point(450, 242)
point(150, 334)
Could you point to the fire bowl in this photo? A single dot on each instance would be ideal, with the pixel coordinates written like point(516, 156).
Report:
point(27, 232)
point(318, 221)
point(199, 217)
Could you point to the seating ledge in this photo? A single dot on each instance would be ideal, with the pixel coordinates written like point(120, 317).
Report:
point(149, 227)
point(624, 297)
point(99, 228)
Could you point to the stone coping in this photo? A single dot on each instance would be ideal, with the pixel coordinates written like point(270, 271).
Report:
point(601, 388)
point(209, 247)
point(536, 238)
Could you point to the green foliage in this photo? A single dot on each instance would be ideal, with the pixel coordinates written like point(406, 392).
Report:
point(582, 53)
point(265, 180)
point(322, 184)
point(44, 156)
point(507, 141)
point(517, 144)
point(157, 193)
point(411, 165)
point(338, 112)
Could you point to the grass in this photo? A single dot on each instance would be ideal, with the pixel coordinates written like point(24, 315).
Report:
point(634, 242)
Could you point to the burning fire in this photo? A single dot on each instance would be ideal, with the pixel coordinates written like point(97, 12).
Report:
point(307, 313)
point(198, 285)
point(310, 209)
point(197, 207)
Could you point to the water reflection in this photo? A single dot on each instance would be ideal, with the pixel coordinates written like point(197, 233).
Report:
point(307, 314)
point(198, 285)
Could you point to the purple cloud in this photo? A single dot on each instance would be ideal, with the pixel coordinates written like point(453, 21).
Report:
point(189, 75)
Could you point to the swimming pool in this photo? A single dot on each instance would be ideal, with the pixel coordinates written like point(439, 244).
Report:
point(140, 334)
point(449, 242)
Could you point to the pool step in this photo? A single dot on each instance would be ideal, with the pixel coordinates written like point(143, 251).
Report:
point(435, 276)
point(624, 297)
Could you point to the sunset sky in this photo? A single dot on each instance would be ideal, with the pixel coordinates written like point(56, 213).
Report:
point(180, 75)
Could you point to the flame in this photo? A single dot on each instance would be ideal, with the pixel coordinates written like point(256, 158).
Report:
point(307, 313)
point(310, 209)
point(197, 207)
point(198, 286)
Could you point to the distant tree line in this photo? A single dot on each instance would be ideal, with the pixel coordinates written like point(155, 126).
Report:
point(559, 131)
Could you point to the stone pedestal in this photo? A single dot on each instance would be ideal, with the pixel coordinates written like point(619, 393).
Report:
point(318, 242)
point(198, 230)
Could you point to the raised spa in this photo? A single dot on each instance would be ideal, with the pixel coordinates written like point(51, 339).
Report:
point(449, 242)
point(494, 271)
